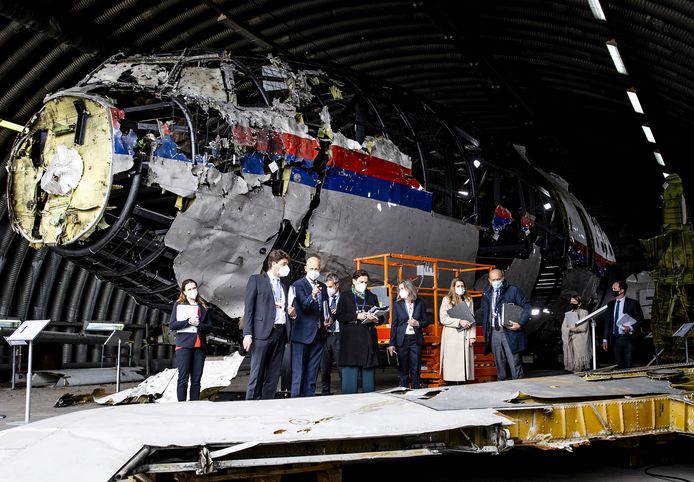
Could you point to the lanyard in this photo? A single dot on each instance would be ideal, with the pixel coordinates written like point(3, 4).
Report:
point(363, 305)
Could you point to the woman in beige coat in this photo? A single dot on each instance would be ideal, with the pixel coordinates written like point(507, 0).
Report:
point(458, 337)
point(578, 348)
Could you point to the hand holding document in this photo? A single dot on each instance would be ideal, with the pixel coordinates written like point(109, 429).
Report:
point(461, 311)
point(186, 312)
point(291, 296)
point(626, 323)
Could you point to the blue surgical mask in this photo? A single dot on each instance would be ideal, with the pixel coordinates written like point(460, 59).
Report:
point(497, 284)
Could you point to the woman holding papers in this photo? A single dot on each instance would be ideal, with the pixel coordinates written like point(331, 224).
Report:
point(458, 336)
point(406, 336)
point(189, 320)
point(358, 340)
point(578, 347)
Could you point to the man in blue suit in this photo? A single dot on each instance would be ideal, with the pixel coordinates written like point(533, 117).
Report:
point(265, 328)
point(308, 330)
point(505, 342)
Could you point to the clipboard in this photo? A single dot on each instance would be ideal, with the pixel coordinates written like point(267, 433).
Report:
point(184, 312)
point(510, 312)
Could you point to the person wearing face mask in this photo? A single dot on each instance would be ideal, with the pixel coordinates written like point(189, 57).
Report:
point(457, 337)
point(505, 342)
point(189, 320)
point(331, 351)
point(358, 340)
point(308, 329)
point(265, 327)
point(406, 336)
point(576, 340)
point(618, 334)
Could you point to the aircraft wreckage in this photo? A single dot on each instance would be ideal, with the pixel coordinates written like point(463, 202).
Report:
point(196, 164)
point(205, 440)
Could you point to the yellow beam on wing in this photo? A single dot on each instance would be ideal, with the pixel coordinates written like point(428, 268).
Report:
point(11, 125)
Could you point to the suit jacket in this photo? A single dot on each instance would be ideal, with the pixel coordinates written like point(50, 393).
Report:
point(508, 294)
point(631, 308)
point(187, 340)
point(309, 313)
point(259, 307)
point(398, 326)
point(358, 342)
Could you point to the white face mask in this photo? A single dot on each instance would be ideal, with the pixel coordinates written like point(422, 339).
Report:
point(331, 291)
point(403, 294)
point(460, 291)
point(497, 284)
point(313, 275)
point(284, 271)
point(360, 287)
point(192, 294)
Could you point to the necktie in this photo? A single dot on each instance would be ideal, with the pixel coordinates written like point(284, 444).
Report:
point(333, 302)
point(495, 316)
point(616, 317)
point(277, 290)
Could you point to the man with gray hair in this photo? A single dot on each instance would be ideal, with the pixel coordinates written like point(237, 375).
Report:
point(331, 351)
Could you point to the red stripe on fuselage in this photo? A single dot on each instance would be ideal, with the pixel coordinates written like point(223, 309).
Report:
point(265, 140)
point(367, 165)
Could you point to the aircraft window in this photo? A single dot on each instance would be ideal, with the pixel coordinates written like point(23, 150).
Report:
point(246, 88)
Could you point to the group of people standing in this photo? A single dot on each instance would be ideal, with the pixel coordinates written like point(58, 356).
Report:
point(323, 325)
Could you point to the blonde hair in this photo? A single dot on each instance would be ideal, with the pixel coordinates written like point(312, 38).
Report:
point(453, 296)
point(411, 290)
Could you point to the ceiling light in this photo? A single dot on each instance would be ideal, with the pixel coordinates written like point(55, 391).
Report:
point(547, 206)
point(634, 99)
point(616, 58)
point(666, 175)
point(596, 8)
point(535, 311)
point(476, 163)
point(464, 193)
point(659, 158)
point(649, 133)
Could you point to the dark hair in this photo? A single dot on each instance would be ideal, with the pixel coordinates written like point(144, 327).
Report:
point(275, 256)
point(622, 284)
point(332, 277)
point(359, 273)
point(182, 295)
point(577, 298)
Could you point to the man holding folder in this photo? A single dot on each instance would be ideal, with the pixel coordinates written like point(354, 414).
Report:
point(621, 322)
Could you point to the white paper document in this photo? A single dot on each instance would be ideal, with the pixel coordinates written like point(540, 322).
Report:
point(625, 320)
point(291, 296)
point(571, 318)
point(183, 312)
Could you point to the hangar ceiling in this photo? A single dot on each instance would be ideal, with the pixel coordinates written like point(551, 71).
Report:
point(535, 73)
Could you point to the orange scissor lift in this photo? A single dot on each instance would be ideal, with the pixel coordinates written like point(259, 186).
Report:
point(432, 276)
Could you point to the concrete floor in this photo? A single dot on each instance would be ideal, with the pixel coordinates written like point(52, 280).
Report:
point(609, 461)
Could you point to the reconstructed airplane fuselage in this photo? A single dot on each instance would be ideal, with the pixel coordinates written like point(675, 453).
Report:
point(195, 165)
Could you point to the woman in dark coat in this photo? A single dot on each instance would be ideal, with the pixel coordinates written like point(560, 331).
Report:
point(358, 339)
point(189, 320)
point(406, 335)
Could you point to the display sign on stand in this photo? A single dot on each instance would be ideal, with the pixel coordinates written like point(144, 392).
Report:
point(682, 333)
point(117, 338)
point(26, 332)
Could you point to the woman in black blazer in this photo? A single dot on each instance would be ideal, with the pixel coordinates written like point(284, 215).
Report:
point(409, 317)
point(358, 339)
point(189, 320)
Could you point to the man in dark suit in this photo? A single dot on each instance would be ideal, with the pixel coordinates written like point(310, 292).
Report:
point(331, 350)
point(265, 328)
point(505, 342)
point(620, 332)
point(308, 330)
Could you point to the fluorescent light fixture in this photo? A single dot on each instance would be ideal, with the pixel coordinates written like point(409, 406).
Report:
point(547, 206)
point(545, 310)
point(476, 163)
point(596, 8)
point(464, 193)
point(616, 58)
point(634, 99)
point(659, 158)
point(666, 174)
point(649, 133)
point(535, 311)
